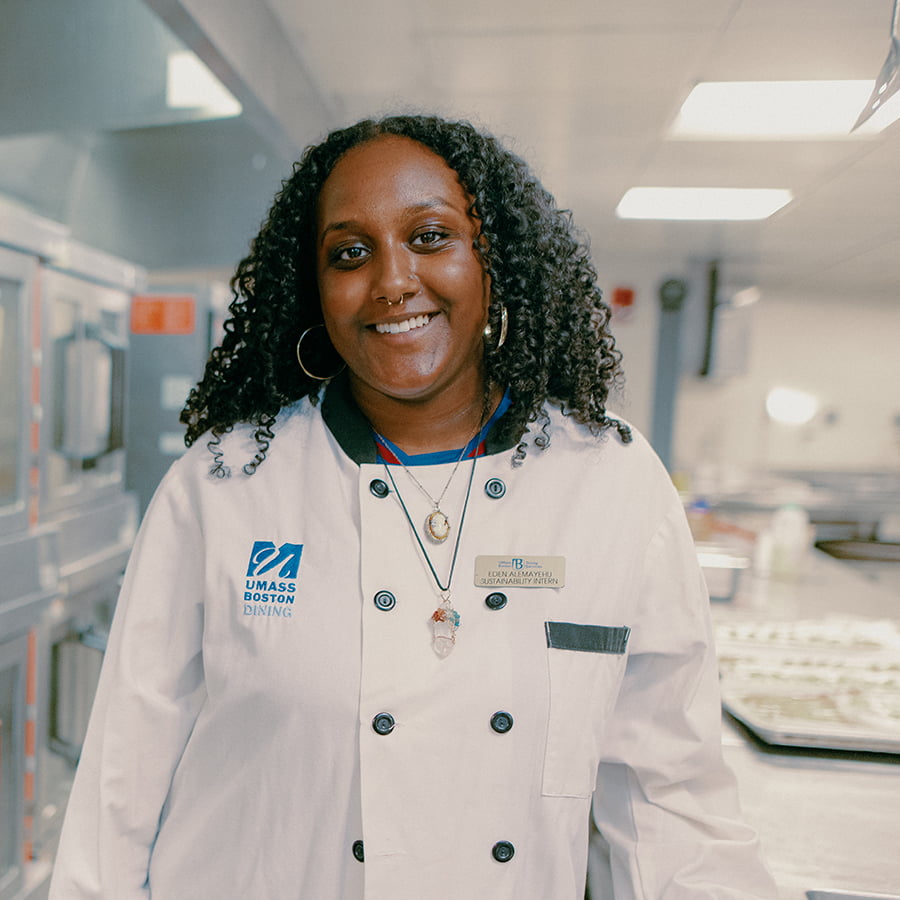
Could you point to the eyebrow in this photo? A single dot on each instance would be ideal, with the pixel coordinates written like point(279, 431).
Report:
point(349, 224)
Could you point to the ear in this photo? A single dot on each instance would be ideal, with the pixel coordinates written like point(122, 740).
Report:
point(486, 284)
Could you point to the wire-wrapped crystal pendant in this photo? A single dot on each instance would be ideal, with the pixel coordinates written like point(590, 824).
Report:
point(437, 526)
point(444, 622)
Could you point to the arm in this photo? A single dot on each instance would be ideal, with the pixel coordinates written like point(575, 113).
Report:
point(666, 804)
point(150, 692)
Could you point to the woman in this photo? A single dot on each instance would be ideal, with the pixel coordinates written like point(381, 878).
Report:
point(447, 601)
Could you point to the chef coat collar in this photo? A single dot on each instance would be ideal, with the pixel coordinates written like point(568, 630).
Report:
point(351, 429)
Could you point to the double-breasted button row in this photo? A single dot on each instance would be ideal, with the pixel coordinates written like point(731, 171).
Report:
point(386, 601)
point(501, 721)
point(495, 488)
point(378, 487)
point(502, 851)
point(384, 722)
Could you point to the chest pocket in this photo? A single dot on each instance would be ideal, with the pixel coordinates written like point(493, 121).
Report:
point(586, 664)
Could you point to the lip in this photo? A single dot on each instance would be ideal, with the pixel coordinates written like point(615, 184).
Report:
point(403, 325)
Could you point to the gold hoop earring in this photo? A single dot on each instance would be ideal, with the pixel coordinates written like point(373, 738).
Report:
point(504, 327)
point(300, 360)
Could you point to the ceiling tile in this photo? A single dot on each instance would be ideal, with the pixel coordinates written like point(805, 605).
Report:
point(586, 91)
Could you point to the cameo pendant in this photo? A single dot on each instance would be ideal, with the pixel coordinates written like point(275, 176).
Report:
point(437, 527)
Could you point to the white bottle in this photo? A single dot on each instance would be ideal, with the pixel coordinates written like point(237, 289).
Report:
point(790, 541)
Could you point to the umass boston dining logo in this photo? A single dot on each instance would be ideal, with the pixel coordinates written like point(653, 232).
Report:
point(271, 581)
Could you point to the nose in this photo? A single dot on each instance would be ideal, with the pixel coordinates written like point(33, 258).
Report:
point(394, 276)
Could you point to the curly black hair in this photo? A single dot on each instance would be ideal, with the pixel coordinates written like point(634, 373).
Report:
point(558, 348)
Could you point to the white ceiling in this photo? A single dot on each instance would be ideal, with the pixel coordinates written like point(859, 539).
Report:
point(586, 90)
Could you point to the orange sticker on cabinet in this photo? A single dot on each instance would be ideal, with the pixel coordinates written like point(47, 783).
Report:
point(163, 314)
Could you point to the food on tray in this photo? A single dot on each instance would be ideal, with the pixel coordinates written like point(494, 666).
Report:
point(830, 683)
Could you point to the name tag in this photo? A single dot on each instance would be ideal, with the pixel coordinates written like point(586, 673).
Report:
point(520, 571)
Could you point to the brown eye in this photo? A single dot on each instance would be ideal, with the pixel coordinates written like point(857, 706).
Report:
point(347, 255)
point(429, 237)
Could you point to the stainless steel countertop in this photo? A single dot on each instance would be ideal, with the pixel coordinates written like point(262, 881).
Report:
point(825, 820)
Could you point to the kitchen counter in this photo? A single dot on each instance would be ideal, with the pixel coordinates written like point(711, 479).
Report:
point(826, 819)
point(825, 822)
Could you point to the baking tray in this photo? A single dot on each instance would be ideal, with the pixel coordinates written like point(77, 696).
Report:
point(825, 684)
point(829, 894)
point(793, 730)
point(870, 551)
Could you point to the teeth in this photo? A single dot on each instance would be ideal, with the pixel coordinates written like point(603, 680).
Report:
point(405, 325)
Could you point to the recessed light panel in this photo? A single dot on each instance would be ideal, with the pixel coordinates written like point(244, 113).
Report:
point(766, 110)
point(702, 204)
point(790, 406)
point(191, 85)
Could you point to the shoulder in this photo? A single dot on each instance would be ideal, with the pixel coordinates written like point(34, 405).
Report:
point(600, 470)
point(568, 435)
point(223, 459)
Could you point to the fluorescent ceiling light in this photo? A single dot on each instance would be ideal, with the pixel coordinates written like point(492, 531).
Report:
point(745, 297)
point(711, 204)
point(764, 110)
point(190, 85)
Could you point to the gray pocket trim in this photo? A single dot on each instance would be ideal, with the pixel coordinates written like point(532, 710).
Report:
point(587, 638)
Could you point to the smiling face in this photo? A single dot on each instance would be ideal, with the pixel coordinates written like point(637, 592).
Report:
point(394, 222)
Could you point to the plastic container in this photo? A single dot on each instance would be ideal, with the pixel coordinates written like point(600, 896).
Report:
point(790, 542)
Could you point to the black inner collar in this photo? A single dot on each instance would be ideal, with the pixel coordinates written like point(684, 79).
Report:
point(353, 432)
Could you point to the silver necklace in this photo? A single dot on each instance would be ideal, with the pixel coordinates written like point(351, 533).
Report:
point(445, 619)
point(437, 525)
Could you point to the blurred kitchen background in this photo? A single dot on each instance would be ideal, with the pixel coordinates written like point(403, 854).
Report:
point(142, 141)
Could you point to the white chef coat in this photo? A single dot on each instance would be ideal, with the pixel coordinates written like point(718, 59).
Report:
point(273, 724)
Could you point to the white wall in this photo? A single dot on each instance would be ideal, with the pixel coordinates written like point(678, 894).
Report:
point(636, 335)
point(845, 350)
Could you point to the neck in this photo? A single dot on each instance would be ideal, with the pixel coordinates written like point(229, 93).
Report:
point(444, 422)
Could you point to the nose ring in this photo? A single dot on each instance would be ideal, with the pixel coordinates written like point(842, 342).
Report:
point(399, 302)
